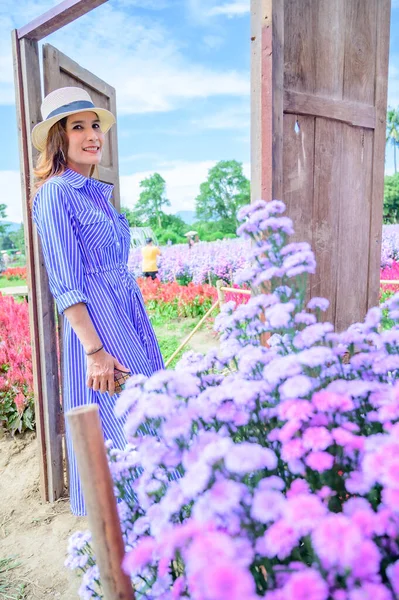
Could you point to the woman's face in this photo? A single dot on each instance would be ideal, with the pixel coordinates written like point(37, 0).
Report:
point(85, 141)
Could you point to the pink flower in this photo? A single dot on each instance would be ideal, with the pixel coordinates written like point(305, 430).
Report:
point(368, 560)
point(319, 461)
point(140, 556)
point(317, 438)
point(371, 591)
point(329, 401)
point(292, 450)
point(337, 540)
point(294, 410)
point(306, 585)
point(303, 512)
point(219, 579)
point(347, 439)
point(298, 486)
point(279, 540)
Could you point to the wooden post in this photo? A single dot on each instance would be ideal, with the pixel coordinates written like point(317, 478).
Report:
point(221, 294)
point(89, 447)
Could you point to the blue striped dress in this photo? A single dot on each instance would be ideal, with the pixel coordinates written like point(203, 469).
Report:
point(85, 246)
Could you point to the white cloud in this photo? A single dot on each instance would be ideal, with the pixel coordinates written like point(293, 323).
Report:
point(231, 9)
point(138, 56)
point(232, 117)
point(183, 179)
point(10, 185)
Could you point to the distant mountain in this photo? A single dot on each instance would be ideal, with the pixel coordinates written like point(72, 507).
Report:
point(188, 216)
point(10, 225)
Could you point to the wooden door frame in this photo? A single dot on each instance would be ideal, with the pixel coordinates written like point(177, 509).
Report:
point(49, 420)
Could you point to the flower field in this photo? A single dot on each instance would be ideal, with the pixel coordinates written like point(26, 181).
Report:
point(16, 379)
point(272, 472)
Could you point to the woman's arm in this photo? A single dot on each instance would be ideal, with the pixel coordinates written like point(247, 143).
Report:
point(100, 365)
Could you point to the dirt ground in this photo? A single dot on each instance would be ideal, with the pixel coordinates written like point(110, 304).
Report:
point(33, 533)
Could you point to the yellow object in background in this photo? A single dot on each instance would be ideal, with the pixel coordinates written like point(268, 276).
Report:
point(149, 254)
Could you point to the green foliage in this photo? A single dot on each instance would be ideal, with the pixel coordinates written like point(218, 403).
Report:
point(11, 419)
point(18, 239)
point(131, 216)
point(386, 322)
point(393, 131)
point(10, 587)
point(224, 192)
point(151, 201)
point(391, 199)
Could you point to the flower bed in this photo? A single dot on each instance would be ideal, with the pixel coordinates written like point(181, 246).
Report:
point(171, 300)
point(16, 380)
point(271, 472)
point(205, 262)
point(16, 273)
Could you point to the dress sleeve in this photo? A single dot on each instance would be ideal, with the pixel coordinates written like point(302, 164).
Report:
point(61, 251)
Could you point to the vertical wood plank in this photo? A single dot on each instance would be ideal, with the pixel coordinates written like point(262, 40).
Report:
point(360, 50)
point(327, 179)
point(299, 51)
point(267, 36)
point(377, 184)
point(45, 302)
point(329, 45)
point(29, 252)
point(354, 226)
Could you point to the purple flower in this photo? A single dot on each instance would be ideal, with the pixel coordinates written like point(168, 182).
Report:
point(316, 438)
point(306, 585)
point(337, 540)
point(296, 387)
point(303, 512)
point(319, 461)
point(318, 303)
point(279, 540)
point(267, 505)
point(246, 458)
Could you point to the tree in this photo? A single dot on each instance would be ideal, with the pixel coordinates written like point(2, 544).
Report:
point(3, 215)
point(151, 200)
point(391, 198)
point(224, 192)
point(393, 131)
point(18, 239)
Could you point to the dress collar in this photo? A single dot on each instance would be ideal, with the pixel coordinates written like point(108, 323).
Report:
point(77, 181)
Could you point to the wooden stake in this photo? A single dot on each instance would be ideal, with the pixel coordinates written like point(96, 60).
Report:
point(221, 294)
point(89, 447)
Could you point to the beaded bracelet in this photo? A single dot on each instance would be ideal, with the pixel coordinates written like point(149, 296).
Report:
point(95, 351)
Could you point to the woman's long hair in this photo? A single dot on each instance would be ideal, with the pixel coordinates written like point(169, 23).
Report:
point(53, 160)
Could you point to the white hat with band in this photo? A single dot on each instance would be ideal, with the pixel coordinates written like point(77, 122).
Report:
point(62, 103)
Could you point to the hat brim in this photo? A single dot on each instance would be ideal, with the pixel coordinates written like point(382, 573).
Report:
point(40, 131)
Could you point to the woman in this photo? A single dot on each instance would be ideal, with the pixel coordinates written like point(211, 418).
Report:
point(85, 246)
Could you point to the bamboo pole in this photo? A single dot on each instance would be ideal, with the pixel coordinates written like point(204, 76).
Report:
point(236, 291)
point(389, 281)
point(88, 443)
point(188, 338)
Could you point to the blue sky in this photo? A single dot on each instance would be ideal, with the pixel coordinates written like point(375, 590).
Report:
point(181, 70)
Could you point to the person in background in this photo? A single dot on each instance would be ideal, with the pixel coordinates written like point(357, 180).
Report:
point(150, 254)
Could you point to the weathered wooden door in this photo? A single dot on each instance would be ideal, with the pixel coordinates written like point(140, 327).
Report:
point(319, 107)
point(61, 71)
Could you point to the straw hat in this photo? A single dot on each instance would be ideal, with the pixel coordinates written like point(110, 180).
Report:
point(62, 103)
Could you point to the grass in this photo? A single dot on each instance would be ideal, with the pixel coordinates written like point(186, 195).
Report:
point(170, 335)
point(5, 283)
point(10, 588)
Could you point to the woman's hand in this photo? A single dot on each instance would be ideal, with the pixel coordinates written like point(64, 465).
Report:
point(100, 372)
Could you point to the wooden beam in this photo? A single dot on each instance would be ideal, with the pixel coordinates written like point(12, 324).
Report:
point(377, 182)
point(62, 14)
point(29, 252)
point(43, 311)
point(352, 113)
point(267, 71)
